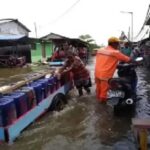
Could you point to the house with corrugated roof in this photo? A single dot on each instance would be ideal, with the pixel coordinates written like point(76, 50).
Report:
point(13, 27)
point(14, 40)
point(47, 44)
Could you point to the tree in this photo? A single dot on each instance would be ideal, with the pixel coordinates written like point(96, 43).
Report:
point(91, 42)
point(87, 38)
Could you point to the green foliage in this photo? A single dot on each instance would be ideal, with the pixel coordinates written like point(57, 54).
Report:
point(91, 42)
point(87, 38)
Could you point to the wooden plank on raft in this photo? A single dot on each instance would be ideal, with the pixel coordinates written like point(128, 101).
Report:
point(141, 123)
point(9, 88)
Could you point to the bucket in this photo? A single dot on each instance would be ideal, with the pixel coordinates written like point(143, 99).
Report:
point(49, 86)
point(7, 111)
point(45, 91)
point(31, 97)
point(20, 100)
point(54, 84)
point(38, 91)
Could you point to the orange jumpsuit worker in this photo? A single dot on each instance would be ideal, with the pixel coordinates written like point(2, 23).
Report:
point(106, 63)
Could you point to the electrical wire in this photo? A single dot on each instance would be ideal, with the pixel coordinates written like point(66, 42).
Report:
point(146, 19)
point(66, 12)
point(63, 14)
point(147, 31)
point(148, 15)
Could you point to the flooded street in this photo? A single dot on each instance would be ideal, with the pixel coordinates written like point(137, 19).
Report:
point(143, 106)
point(83, 124)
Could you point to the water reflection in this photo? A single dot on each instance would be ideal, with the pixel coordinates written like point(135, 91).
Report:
point(11, 75)
point(143, 106)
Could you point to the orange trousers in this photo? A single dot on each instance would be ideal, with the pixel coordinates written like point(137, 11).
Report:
point(102, 88)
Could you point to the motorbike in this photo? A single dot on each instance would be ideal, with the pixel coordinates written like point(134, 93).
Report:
point(122, 91)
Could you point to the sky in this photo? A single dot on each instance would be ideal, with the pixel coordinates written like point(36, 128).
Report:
point(71, 18)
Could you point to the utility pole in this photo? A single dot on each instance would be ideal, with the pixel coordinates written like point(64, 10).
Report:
point(129, 34)
point(131, 13)
point(132, 24)
point(35, 29)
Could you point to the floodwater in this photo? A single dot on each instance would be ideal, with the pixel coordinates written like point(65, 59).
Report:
point(83, 124)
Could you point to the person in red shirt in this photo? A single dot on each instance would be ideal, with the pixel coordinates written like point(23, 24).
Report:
point(59, 55)
point(106, 63)
point(81, 75)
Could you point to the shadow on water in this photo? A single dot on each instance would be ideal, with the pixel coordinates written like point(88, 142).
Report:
point(84, 124)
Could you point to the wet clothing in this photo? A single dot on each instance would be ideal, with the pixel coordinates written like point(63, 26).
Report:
point(106, 64)
point(101, 89)
point(81, 75)
point(81, 83)
point(78, 68)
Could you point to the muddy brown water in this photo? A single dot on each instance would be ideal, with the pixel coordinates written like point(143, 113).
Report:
point(83, 124)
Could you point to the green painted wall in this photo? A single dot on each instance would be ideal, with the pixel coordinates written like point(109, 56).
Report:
point(48, 48)
point(37, 53)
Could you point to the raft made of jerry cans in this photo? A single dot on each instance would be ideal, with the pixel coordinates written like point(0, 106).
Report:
point(7, 111)
point(20, 108)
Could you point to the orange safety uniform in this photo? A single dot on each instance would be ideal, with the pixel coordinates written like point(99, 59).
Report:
point(106, 64)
